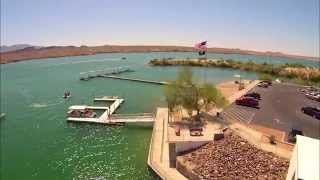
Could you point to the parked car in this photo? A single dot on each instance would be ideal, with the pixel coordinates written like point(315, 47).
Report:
point(303, 90)
point(278, 81)
point(248, 101)
point(310, 89)
point(314, 96)
point(267, 81)
point(255, 95)
point(263, 84)
point(312, 111)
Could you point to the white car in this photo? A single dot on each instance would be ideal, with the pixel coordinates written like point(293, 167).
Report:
point(313, 96)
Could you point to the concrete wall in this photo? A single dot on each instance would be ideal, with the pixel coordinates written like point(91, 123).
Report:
point(185, 170)
point(188, 146)
point(293, 166)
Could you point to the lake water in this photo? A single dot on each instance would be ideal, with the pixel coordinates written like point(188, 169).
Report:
point(38, 143)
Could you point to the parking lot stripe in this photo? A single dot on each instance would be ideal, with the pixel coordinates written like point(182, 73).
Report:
point(240, 114)
point(251, 118)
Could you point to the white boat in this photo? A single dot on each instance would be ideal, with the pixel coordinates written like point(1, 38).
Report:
point(66, 97)
point(2, 115)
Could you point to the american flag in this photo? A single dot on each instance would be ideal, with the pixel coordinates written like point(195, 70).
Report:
point(202, 46)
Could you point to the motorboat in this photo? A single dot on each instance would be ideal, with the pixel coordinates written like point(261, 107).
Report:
point(81, 113)
point(2, 115)
point(66, 95)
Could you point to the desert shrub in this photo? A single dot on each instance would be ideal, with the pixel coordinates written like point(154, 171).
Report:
point(265, 77)
point(301, 82)
point(315, 77)
point(293, 65)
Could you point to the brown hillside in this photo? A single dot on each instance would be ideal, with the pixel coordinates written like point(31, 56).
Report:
point(61, 51)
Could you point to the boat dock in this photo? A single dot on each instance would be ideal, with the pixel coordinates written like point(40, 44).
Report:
point(108, 117)
point(137, 80)
point(111, 109)
point(88, 107)
point(120, 119)
point(111, 74)
point(85, 76)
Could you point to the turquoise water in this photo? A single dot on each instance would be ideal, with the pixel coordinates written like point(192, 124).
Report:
point(38, 143)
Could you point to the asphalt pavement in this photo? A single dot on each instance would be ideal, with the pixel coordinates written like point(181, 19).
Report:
point(280, 108)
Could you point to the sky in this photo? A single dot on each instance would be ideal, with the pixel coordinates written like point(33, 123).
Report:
point(289, 26)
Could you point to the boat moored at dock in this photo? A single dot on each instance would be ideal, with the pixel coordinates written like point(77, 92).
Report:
point(84, 113)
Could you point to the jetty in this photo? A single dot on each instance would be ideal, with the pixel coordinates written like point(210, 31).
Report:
point(108, 116)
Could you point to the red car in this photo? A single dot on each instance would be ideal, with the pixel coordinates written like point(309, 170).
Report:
point(248, 101)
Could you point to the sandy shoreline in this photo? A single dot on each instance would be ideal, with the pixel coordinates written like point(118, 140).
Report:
point(229, 88)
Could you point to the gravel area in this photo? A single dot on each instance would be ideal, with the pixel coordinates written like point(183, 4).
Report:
point(234, 158)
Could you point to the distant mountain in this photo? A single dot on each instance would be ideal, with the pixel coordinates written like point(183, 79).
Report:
point(35, 52)
point(16, 47)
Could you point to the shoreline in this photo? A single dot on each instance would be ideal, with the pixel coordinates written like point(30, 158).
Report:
point(70, 51)
point(298, 72)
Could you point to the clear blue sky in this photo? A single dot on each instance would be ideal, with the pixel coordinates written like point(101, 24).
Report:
point(290, 26)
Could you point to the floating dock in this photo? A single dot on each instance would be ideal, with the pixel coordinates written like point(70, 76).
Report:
point(102, 73)
point(122, 119)
point(107, 117)
point(111, 74)
point(137, 80)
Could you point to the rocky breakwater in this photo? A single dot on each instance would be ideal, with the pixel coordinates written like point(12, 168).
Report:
point(232, 158)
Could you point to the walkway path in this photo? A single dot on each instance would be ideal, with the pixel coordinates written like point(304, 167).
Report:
point(158, 158)
point(137, 80)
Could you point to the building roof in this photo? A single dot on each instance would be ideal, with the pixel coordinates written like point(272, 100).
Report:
point(308, 150)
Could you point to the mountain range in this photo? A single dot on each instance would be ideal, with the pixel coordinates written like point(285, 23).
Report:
point(15, 47)
point(21, 52)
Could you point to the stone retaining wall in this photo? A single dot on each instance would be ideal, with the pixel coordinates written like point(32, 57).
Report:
point(185, 170)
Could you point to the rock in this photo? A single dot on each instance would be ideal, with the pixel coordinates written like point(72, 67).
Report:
point(232, 157)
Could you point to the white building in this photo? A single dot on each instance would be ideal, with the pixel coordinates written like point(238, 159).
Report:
point(304, 163)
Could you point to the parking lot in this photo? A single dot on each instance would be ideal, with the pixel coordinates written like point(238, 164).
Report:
point(280, 108)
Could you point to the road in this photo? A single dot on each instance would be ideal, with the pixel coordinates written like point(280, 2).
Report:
point(280, 108)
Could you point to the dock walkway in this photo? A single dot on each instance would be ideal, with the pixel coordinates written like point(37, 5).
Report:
point(158, 158)
point(111, 109)
point(101, 73)
point(124, 120)
point(137, 80)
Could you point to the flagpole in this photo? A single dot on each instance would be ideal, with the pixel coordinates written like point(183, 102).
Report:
point(205, 78)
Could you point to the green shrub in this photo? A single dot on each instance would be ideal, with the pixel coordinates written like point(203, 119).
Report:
point(265, 77)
